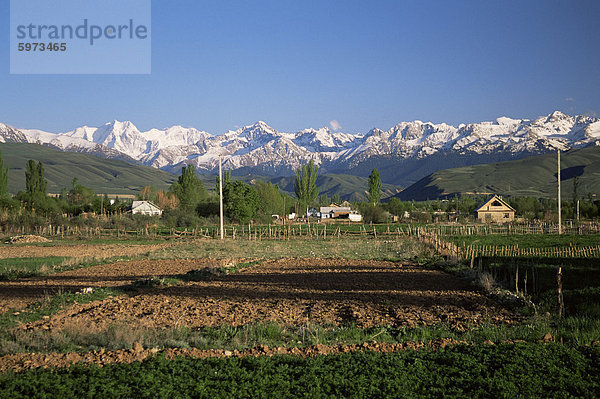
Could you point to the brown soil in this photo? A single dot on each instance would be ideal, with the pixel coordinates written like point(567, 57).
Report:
point(22, 361)
point(288, 291)
point(20, 293)
point(78, 250)
point(291, 292)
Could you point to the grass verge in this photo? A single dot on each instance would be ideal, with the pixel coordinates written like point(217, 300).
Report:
point(570, 331)
point(39, 310)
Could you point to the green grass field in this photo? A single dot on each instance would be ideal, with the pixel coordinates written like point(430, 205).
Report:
point(14, 268)
point(102, 175)
point(528, 177)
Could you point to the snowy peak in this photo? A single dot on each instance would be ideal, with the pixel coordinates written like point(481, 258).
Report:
point(258, 130)
point(11, 135)
point(262, 148)
point(323, 139)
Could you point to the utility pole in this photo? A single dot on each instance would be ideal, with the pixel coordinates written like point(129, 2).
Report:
point(221, 195)
point(559, 205)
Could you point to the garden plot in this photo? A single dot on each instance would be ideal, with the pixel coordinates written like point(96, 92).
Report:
point(291, 292)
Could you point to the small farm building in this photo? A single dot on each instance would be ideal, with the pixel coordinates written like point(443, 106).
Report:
point(495, 210)
point(334, 211)
point(145, 208)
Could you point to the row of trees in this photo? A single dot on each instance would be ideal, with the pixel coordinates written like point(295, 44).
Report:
point(187, 200)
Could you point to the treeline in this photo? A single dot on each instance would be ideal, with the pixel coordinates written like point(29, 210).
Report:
point(529, 208)
point(187, 203)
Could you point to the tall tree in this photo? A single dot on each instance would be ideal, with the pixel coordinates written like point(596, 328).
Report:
point(240, 200)
point(80, 195)
point(374, 187)
point(324, 200)
point(226, 180)
point(3, 178)
point(166, 200)
point(35, 195)
point(42, 182)
point(305, 185)
point(34, 178)
point(147, 193)
point(271, 200)
point(188, 188)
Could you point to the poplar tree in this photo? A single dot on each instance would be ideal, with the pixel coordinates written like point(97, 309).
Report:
point(374, 187)
point(305, 185)
point(34, 178)
point(188, 188)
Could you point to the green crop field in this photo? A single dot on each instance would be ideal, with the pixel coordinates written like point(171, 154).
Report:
point(506, 370)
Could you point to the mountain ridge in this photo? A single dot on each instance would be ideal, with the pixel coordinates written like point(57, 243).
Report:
point(259, 148)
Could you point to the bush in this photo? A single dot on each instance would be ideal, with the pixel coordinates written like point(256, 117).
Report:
point(180, 218)
point(208, 208)
point(373, 213)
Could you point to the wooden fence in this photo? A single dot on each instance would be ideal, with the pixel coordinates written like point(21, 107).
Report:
point(251, 232)
point(516, 251)
point(569, 227)
point(458, 252)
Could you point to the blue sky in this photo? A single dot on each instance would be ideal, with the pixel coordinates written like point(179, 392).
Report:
point(222, 64)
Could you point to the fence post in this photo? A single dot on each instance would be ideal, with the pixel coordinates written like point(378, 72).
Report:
point(517, 279)
point(561, 305)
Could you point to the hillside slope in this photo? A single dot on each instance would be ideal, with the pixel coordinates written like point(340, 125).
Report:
point(348, 187)
point(533, 176)
point(118, 177)
point(102, 175)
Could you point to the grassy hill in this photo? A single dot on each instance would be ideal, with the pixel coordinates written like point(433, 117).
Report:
point(533, 176)
point(101, 175)
point(347, 186)
point(119, 177)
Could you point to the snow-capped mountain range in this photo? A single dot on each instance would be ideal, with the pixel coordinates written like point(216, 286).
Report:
point(417, 147)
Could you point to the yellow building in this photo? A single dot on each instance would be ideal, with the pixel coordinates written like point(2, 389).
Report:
point(495, 210)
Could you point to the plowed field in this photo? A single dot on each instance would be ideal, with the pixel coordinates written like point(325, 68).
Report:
point(290, 292)
point(287, 291)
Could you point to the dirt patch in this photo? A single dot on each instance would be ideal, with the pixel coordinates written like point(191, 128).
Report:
point(290, 292)
point(79, 250)
point(22, 361)
point(20, 293)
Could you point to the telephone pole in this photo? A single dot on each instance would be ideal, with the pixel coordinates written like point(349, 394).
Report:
point(221, 196)
point(559, 205)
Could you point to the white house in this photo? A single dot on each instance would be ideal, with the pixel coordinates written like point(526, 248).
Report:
point(333, 211)
point(355, 217)
point(145, 208)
